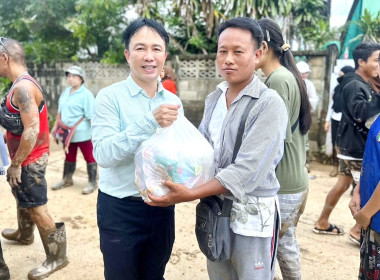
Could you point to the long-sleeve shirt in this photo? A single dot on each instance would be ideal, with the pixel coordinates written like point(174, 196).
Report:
point(122, 119)
point(73, 107)
point(331, 114)
point(312, 94)
point(251, 179)
point(262, 146)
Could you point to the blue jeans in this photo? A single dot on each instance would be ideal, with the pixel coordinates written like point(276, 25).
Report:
point(136, 239)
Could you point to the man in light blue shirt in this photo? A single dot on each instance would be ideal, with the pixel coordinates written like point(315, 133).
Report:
point(136, 239)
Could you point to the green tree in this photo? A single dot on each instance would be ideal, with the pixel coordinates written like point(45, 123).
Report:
point(40, 26)
point(316, 37)
point(98, 25)
point(307, 16)
point(370, 26)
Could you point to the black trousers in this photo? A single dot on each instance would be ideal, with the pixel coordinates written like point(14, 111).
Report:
point(136, 239)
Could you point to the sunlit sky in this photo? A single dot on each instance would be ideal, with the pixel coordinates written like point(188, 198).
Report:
point(339, 12)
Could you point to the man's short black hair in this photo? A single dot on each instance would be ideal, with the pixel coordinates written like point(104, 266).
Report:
point(137, 24)
point(244, 23)
point(364, 51)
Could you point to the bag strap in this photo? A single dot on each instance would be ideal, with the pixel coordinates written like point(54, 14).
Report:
point(294, 126)
point(227, 206)
point(239, 136)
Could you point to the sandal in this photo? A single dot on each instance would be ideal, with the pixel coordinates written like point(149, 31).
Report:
point(354, 240)
point(332, 230)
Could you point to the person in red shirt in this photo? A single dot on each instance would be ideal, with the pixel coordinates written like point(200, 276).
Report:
point(169, 79)
point(23, 113)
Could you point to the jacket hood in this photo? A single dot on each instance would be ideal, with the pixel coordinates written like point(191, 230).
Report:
point(346, 78)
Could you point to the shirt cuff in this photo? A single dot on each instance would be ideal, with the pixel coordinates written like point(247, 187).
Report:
point(148, 125)
point(236, 190)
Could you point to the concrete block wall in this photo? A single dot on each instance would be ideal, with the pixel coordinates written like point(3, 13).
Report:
point(196, 78)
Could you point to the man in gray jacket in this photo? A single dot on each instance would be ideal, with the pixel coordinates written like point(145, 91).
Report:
point(251, 180)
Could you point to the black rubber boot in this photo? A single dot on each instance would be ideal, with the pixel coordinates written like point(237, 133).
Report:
point(4, 271)
point(55, 248)
point(24, 233)
point(92, 169)
point(67, 179)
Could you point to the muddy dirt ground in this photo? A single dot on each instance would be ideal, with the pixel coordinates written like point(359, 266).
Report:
point(323, 257)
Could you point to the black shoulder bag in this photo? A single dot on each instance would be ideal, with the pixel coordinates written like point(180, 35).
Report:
point(212, 225)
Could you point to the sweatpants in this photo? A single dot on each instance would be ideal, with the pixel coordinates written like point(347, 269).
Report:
point(252, 258)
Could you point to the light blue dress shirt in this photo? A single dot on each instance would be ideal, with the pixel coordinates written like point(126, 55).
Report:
point(123, 119)
point(74, 106)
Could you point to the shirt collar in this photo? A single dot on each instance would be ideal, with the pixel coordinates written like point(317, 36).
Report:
point(79, 90)
point(135, 89)
point(251, 89)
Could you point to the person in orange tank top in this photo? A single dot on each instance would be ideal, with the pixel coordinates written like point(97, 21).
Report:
point(23, 114)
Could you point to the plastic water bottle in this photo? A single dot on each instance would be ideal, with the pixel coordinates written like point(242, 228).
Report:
point(346, 53)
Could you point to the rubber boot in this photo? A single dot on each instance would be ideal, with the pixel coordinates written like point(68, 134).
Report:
point(24, 233)
point(67, 179)
point(92, 172)
point(55, 248)
point(4, 271)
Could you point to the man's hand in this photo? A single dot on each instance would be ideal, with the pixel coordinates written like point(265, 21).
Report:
point(362, 219)
point(166, 114)
point(14, 175)
point(327, 126)
point(354, 204)
point(178, 193)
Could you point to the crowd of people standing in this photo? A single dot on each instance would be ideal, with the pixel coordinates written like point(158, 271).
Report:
point(137, 236)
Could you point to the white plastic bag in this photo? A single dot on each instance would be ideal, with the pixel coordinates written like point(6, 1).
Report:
point(177, 153)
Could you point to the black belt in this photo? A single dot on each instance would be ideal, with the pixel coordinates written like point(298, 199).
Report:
point(128, 198)
point(133, 198)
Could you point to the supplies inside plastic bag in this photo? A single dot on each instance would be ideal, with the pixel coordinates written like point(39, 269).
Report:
point(177, 153)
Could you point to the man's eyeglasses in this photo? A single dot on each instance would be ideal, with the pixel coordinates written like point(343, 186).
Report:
point(2, 39)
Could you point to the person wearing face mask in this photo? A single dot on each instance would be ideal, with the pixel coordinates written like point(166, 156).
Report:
point(359, 105)
point(334, 115)
point(73, 128)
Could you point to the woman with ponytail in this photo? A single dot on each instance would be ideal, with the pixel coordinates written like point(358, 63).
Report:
point(279, 67)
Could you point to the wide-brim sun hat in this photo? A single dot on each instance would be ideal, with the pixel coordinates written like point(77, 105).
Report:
point(303, 67)
point(76, 70)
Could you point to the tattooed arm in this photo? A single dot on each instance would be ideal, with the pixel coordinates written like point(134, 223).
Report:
point(25, 99)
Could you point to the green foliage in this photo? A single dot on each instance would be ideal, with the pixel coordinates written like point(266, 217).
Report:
point(257, 8)
point(51, 120)
point(370, 26)
point(308, 12)
point(5, 85)
point(40, 26)
point(97, 24)
point(317, 36)
point(75, 29)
